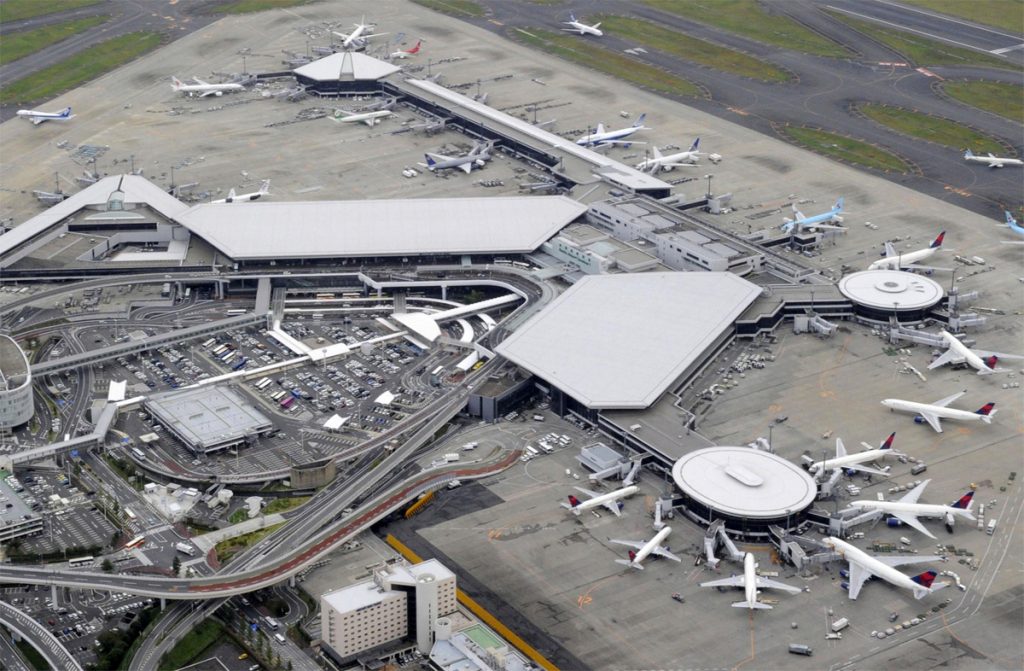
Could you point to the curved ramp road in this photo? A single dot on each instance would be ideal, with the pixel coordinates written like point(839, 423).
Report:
point(55, 654)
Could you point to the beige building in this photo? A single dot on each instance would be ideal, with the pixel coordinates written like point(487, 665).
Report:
point(399, 602)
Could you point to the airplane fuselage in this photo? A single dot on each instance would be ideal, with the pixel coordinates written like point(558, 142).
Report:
point(937, 410)
point(606, 498)
point(965, 352)
point(887, 573)
point(900, 260)
point(849, 459)
point(917, 509)
point(750, 580)
point(608, 136)
point(995, 161)
point(650, 546)
point(681, 157)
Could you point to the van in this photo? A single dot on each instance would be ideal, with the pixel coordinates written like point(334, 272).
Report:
point(990, 529)
point(280, 638)
point(918, 469)
point(800, 649)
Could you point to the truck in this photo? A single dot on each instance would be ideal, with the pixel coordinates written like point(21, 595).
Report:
point(990, 529)
point(918, 469)
point(800, 649)
point(186, 548)
point(840, 624)
point(451, 456)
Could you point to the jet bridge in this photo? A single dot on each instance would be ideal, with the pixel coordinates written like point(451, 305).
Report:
point(713, 537)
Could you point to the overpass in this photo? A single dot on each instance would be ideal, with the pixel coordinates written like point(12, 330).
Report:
point(55, 654)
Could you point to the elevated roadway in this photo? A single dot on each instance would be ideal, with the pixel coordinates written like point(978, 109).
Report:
point(55, 654)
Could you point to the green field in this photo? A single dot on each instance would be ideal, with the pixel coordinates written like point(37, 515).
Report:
point(1003, 99)
point(246, 6)
point(845, 149)
point(933, 129)
point(580, 51)
point(670, 41)
point(1006, 14)
point(227, 549)
point(282, 504)
point(749, 18)
point(19, 45)
point(80, 68)
point(454, 7)
point(202, 637)
point(922, 51)
point(16, 10)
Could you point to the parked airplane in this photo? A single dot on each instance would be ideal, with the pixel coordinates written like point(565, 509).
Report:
point(37, 117)
point(641, 551)
point(609, 500)
point(750, 582)
point(990, 160)
point(856, 461)
point(358, 38)
point(981, 360)
point(1012, 224)
point(895, 260)
point(476, 158)
point(801, 222)
point(407, 52)
point(369, 118)
point(602, 137)
point(933, 412)
point(683, 159)
point(255, 195)
point(581, 28)
point(202, 88)
point(864, 566)
point(907, 509)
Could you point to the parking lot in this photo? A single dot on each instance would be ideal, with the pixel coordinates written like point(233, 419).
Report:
point(70, 518)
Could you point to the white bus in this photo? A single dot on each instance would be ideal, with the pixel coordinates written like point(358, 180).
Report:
point(217, 351)
point(139, 454)
point(532, 451)
point(272, 623)
point(129, 514)
point(236, 311)
point(81, 562)
point(264, 383)
point(210, 343)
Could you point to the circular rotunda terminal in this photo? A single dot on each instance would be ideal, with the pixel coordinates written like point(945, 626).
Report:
point(15, 385)
point(747, 489)
point(877, 295)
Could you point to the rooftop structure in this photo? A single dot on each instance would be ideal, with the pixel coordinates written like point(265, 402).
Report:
point(16, 518)
point(210, 418)
point(345, 66)
point(16, 406)
point(881, 294)
point(619, 341)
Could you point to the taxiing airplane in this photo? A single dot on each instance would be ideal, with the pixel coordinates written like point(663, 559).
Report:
point(609, 500)
point(907, 509)
point(203, 89)
point(895, 260)
point(856, 461)
point(255, 195)
point(358, 38)
point(581, 28)
point(990, 160)
point(751, 582)
point(369, 118)
point(933, 412)
point(476, 158)
point(407, 52)
point(864, 566)
point(800, 222)
point(37, 117)
point(981, 360)
point(662, 162)
point(601, 137)
point(641, 551)
point(1012, 224)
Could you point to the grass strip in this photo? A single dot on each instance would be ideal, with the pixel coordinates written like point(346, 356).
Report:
point(18, 45)
point(454, 7)
point(750, 19)
point(192, 645)
point(922, 51)
point(1006, 14)
point(32, 656)
point(673, 42)
point(18, 10)
point(931, 128)
point(609, 62)
point(228, 548)
point(280, 505)
point(80, 68)
point(1003, 99)
point(248, 6)
point(845, 149)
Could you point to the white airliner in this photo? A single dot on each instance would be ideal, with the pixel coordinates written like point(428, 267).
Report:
point(981, 360)
point(37, 117)
point(751, 582)
point(864, 566)
point(476, 158)
point(641, 551)
point(907, 509)
point(895, 260)
point(358, 38)
point(1011, 223)
point(255, 195)
point(823, 221)
point(602, 137)
point(203, 89)
point(581, 28)
point(990, 160)
point(933, 412)
point(407, 52)
point(609, 500)
point(369, 118)
point(683, 159)
point(856, 461)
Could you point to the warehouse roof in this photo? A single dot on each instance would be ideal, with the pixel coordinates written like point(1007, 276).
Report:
point(352, 228)
point(619, 341)
point(347, 65)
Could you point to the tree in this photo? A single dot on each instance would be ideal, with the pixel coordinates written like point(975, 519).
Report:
point(107, 566)
point(289, 665)
point(176, 566)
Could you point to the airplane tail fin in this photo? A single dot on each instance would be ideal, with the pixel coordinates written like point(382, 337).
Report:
point(415, 49)
point(966, 501)
point(968, 154)
point(992, 361)
point(231, 194)
point(696, 143)
point(640, 120)
point(656, 152)
point(573, 501)
point(887, 445)
point(176, 83)
point(937, 242)
point(925, 579)
point(572, 17)
point(987, 412)
point(430, 164)
point(596, 25)
point(66, 112)
point(265, 186)
point(1010, 221)
point(838, 207)
point(757, 605)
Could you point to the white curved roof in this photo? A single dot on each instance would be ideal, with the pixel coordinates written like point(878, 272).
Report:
point(744, 482)
point(346, 65)
point(891, 289)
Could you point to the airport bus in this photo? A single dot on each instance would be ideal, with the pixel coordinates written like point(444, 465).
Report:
point(264, 383)
point(287, 401)
point(240, 364)
point(210, 343)
point(135, 542)
point(272, 623)
point(533, 451)
point(129, 514)
point(277, 396)
point(81, 562)
point(317, 316)
point(351, 295)
point(325, 297)
point(228, 356)
point(188, 293)
point(139, 454)
point(217, 351)
point(236, 311)
point(437, 371)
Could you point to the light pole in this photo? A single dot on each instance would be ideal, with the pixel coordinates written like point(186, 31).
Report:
point(709, 184)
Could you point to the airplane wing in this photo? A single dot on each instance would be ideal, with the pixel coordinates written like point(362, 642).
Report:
point(612, 505)
point(861, 468)
point(573, 30)
point(678, 165)
point(343, 36)
point(369, 121)
point(859, 574)
point(621, 142)
point(466, 167)
point(916, 266)
point(949, 399)
point(775, 584)
point(734, 581)
point(984, 354)
point(903, 560)
point(661, 551)
point(828, 227)
point(197, 80)
point(589, 493)
point(911, 521)
point(949, 356)
point(933, 420)
point(633, 544)
point(914, 494)
point(208, 93)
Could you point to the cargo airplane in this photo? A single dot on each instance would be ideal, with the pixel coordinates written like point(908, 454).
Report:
point(407, 52)
point(907, 509)
point(609, 500)
point(369, 118)
point(863, 566)
point(255, 195)
point(800, 222)
point(990, 160)
point(856, 461)
point(641, 551)
point(751, 582)
point(981, 360)
point(934, 412)
point(601, 137)
point(662, 162)
point(895, 260)
point(581, 28)
point(37, 117)
point(203, 89)
point(1011, 223)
